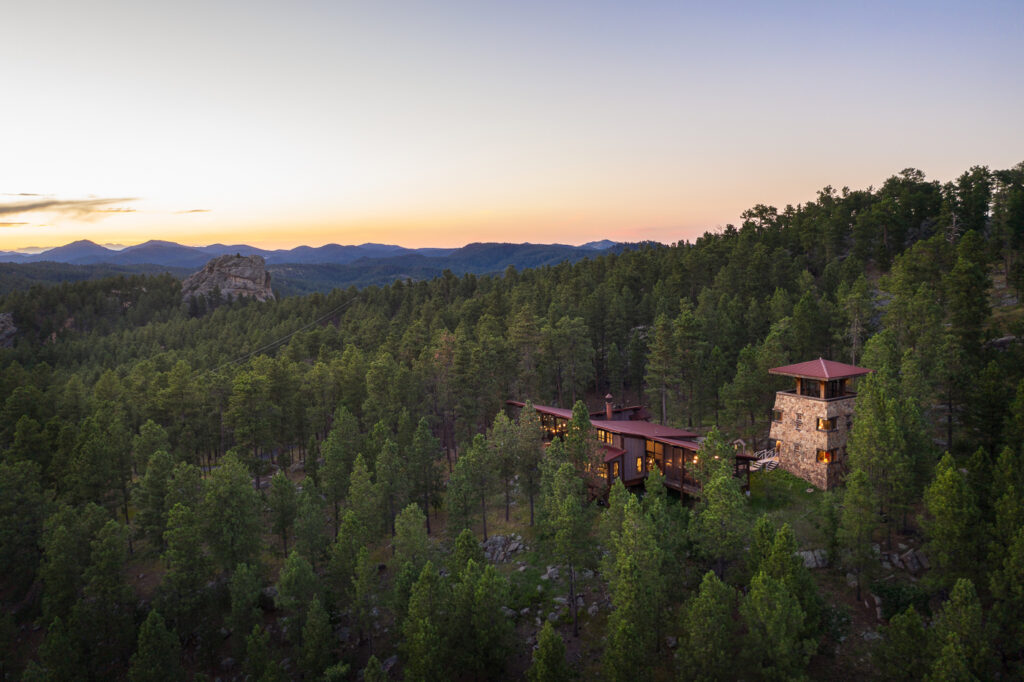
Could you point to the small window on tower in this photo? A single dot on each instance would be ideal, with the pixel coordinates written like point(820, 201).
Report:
point(826, 456)
point(826, 424)
point(776, 415)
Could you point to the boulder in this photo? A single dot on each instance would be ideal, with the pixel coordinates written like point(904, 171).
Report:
point(234, 276)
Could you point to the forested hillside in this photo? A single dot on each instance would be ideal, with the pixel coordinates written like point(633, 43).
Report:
point(283, 489)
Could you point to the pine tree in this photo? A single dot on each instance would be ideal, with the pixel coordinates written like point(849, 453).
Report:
point(341, 561)
point(638, 593)
point(259, 658)
point(760, 544)
point(569, 524)
point(472, 481)
point(181, 593)
point(391, 482)
point(721, 524)
point(856, 525)
point(530, 452)
point(158, 657)
point(951, 524)
point(310, 539)
point(710, 632)
point(244, 588)
point(297, 585)
point(362, 502)
point(959, 636)
point(317, 636)
point(284, 507)
point(423, 645)
point(365, 584)
point(777, 649)
point(411, 542)
point(231, 515)
point(374, 671)
point(549, 664)
point(900, 656)
point(339, 452)
point(424, 473)
point(150, 497)
point(501, 439)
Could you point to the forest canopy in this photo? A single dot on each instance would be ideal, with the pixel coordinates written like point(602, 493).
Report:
point(289, 470)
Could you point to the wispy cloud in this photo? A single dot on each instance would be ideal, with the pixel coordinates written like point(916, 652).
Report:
point(78, 209)
point(194, 210)
point(21, 194)
point(12, 224)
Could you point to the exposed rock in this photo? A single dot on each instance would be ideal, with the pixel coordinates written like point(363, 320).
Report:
point(235, 276)
point(559, 600)
point(910, 561)
point(499, 549)
point(551, 573)
point(671, 642)
point(593, 609)
point(7, 330)
point(507, 612)
point(389, 663)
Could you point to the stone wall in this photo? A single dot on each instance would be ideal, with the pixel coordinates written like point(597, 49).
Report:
point(801, 439)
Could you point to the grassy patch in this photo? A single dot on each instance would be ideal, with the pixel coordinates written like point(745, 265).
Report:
point(784, 498)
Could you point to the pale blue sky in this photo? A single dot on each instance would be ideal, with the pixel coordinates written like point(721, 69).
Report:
point(440, 123)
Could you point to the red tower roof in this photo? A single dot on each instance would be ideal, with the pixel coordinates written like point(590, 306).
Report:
point(821, 369)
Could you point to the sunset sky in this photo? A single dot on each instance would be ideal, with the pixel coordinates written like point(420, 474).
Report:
point(441, 123)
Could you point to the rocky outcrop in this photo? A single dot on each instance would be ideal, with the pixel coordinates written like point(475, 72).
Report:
point(234, 276)
point(7, 330)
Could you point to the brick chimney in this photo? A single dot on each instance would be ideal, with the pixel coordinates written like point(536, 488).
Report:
point(608, 407)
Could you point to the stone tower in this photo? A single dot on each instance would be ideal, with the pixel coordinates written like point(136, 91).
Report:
point(811, 423)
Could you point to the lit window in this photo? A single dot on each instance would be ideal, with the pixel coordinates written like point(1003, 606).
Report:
point(826, 424)
point(776, 415)
point(615, 469)
point(778, 446)
point(639, 465)
point(604, 436)
point(826, 456)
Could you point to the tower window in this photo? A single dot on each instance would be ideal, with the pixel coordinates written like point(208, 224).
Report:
point(827, 424)
point(826, 456)
point(776, 415)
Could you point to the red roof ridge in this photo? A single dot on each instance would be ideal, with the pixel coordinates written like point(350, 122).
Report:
point(821, 369)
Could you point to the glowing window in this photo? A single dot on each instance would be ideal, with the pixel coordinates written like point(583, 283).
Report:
point(826, 456)
point(639, 465)
point(827, 424)
point(604, 436)
point(776, 415)
point(615, 469)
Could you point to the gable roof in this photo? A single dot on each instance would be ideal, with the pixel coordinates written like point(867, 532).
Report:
point(821, 369)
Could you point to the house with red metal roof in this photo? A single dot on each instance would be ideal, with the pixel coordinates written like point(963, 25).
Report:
point(811, 422)
point(630, 448)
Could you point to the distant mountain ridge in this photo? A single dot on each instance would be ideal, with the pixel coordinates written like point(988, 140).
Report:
point(301, 270)
point(171, 254)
